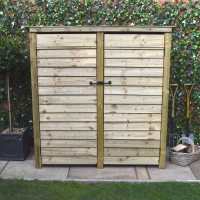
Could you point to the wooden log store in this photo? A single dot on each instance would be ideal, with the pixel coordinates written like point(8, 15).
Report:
point(100, 94)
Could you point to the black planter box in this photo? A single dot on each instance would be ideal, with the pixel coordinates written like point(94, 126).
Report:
point(14, 146)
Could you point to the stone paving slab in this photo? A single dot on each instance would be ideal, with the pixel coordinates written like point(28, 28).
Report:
point(26, 169)
point(172, 172)
point(195, 168)
point(2, 165)
point(108, 172)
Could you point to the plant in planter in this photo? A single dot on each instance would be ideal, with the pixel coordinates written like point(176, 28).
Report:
point(14, 141)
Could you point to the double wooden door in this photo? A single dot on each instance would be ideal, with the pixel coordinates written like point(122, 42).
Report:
point(100, 98)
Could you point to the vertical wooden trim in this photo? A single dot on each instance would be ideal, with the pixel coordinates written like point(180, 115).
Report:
point(162, 160)
point(100, 100)
point(35, 101)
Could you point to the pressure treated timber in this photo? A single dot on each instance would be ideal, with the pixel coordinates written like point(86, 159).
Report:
point(65, 81)
point(131, 160)
point(129, 62)
point(66, 62)
point(73, 152)
point(100, 100)
point(116, 53)
point(134, 40)
point(165, 100)
point(45, 41)
point(139, 81)
point(67, 53)
point(153, 72)
point(68, 108)
point(116, 109)
point(35, 104)
point(70, 160)
point(68, 135)
point(89, 29)
point(65, 100)
point(67, 71)
point(134, 135)
point(122, 152)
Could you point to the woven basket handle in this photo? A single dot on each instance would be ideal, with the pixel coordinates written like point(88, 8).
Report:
point(186, 138)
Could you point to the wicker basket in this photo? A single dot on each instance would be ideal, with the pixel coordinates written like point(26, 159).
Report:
point(184, 159)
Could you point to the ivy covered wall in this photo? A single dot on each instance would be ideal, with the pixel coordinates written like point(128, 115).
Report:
point(185, 53)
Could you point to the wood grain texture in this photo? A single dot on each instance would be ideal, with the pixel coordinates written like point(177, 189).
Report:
point(67, 62)
point(139, 100)
point(130, 62)
point(60, 160)
point(133, 135)
point(65, 81)
point(121, 53)
point(134, 40)
point(67, 108)
point(89, 126)
point(65, 40)
point(131, 160)
point(66, 72)
point(115, 108)
point(67, 53)
point(123, 152)
point(68, 117)
point(68, 135)
point(69, 143)
point(73, 152)
point(132, 143)
point(153, 72)
point(35, 104)
point(151, 126)
point(65, 100)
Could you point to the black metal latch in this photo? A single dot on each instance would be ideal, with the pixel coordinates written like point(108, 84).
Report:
point(100, 83)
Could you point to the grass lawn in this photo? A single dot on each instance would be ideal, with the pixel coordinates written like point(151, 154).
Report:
point(21, 189)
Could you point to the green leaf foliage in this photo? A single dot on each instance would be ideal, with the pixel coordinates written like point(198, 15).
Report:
point(185, 58)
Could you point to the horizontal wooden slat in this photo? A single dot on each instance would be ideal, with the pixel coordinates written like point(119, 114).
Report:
point(67, 53)
point(132, 143)
point(67, 72)
point(134, 40)
point(140, 100)
point(68, 135)
point(128, 90)
point(74, 152)
point(133, 62)
point(131, 160)
point(114, 108)
point(134, 135)
point(133, 72)
point(132, 126)
point(70, 117)
point(132, 117)
point(67, 108)
point(90, 126)
point(91, 90)
point(69, 143)
point(65, 81)
point(138, 81)
point(44, 41)
point(68, 160)
point(63, 100)
point(70, 62)
point(120, 152)
point(121, 53)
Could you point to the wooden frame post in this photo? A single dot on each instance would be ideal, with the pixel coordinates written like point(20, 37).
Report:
point(100, 100)
point(162, 160)
point(35, 100)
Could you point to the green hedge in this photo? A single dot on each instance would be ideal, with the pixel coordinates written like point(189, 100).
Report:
point(185, 58)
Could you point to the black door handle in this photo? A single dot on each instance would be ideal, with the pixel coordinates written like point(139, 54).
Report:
point(100, 83)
